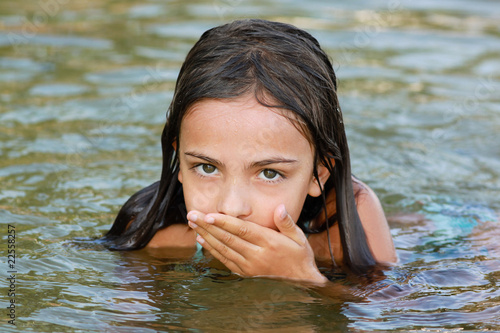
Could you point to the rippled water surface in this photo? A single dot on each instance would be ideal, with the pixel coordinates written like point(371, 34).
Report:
point(84, 86)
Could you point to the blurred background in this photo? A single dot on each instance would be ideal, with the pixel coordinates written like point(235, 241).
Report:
point(84, 88)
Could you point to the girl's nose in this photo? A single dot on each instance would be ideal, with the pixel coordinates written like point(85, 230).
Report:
point(233, 201)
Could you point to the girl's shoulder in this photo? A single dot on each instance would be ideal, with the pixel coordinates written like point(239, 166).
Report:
point(175, 235)
point(374, 223)
point(365, 196)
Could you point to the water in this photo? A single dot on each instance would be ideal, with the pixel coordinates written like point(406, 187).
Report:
point(84, 87)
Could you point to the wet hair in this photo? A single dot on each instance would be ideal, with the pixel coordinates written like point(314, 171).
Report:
point(285, 68)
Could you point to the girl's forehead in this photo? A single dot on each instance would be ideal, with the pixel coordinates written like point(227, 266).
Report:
point(221, 108)
point(242, 121)
point(238, 113)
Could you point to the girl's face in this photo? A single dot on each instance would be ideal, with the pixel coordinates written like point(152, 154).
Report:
point(240, 158)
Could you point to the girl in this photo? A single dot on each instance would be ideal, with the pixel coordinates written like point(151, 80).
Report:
point(255, 158)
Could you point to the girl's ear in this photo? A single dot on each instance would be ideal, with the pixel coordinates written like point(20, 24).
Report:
point(323, 174)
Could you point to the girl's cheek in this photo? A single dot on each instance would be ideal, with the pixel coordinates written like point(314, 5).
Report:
point(201, 198)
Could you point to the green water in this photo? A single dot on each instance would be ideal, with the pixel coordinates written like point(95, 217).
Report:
point(84, 87)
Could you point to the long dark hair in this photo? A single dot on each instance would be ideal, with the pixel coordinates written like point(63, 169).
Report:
point(267, 59)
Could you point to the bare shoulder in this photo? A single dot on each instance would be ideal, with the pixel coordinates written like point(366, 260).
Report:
point(176, 235)
point(374, 223)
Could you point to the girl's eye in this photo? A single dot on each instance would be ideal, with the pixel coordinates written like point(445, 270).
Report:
point(206, 169)
point(269, 174)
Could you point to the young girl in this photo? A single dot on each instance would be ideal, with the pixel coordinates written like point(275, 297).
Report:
point(256, 165)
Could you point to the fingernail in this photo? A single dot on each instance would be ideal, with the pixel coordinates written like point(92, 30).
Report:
point(192, 224)
point(283, 212)
point(192, 216)
point(200, 239)
point(209, 219)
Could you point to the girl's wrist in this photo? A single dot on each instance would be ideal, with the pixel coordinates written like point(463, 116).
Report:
point(319, 279)
point(315, 277)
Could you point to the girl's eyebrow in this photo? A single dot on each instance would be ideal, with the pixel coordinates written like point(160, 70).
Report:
point(273, 160)
point(203, 157)
point(256, 164)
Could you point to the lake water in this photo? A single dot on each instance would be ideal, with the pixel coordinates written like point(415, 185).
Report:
point(84, 86)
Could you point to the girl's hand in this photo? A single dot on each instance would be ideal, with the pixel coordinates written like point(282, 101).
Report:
point(249, 249)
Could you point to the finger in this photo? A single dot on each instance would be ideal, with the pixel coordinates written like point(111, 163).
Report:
point(230, 264)
point(228, 257)
point(195, 216)
point(246, 230)
point(225, 255)
point(227, 244)
point(286, 225)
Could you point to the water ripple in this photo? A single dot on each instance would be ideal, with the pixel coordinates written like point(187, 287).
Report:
point(84, 96)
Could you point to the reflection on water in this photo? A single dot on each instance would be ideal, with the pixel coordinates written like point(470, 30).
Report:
point(84, 88)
